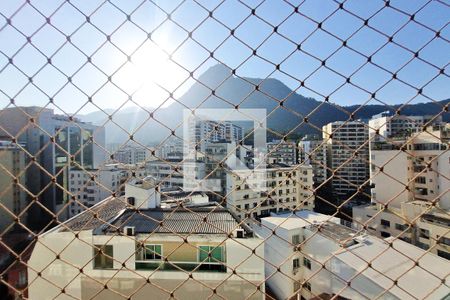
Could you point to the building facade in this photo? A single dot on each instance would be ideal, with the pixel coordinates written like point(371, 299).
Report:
point(13, 196)
point(415, 168)
point(313, 151)
point(386, 125)
point(171, 148)
point(347, 156)
point(90, 186)
point(410, 184)
point(284, 152)
point(279, 187)
point(57, 142)
point(312, 256)
point(130, 155)
point(202, 132)
point(172, 172)
point(161, 252)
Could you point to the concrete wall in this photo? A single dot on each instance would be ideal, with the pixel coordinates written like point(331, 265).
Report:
point(75, 253)
point(395, 175)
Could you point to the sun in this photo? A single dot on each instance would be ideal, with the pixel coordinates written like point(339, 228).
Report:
point(150, 77)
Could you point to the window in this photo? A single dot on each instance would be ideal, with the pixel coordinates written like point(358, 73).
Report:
point(295, 263)
point(153, 252)
point(443, 254)
point(211, 254)
point(296, 239)
point(307, 263)
point(406, 239)
point(385, 223)
point(103, 257)
point(297, 286)
point(424, 233)
point(401, 227)
point(385, 234)
point(421, 180)
point(308, 286)
point(444, 240)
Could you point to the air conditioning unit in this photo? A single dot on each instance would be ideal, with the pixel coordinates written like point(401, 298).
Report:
point(128, 230)
point(239, 233)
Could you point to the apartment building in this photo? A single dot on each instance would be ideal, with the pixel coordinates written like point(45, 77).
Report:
point(13, 198)
point(411, 177)
point(278, 187)
point(172, 172)
point(416, 222)
point(53, 139)
point(284, 152)
point(386, 125)
point(311, 256)
point(347, 155)
point(136, 248)
point(90, 186)
point(208, 131)
point(313, 151)
point(416, 168)
point(130, 155)
point(172, 148)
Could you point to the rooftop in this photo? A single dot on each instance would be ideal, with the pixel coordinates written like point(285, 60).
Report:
point(211, 219)
point(301, 218)
point(397, 263)
point(337, 232)
point(179, 194)
point(97, 215)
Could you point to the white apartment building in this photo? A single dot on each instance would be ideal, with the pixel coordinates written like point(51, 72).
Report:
point(409, 181)
point(90, 186)
point(136, 248)
point(172, 172)
point(13, 198)
point(416, 222)
point(207, 131)
point(284, 152)
point(347, 155)
point(172, 148)
point(278, 187)
point(386, 125)
point(311, 256)
point(420, 172)
point(313, 151)
point(130, 155)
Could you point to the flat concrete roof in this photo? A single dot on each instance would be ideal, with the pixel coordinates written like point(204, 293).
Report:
point(394, 268)
point(301, 218)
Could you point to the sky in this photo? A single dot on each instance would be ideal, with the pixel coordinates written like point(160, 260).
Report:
point(93, 64)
